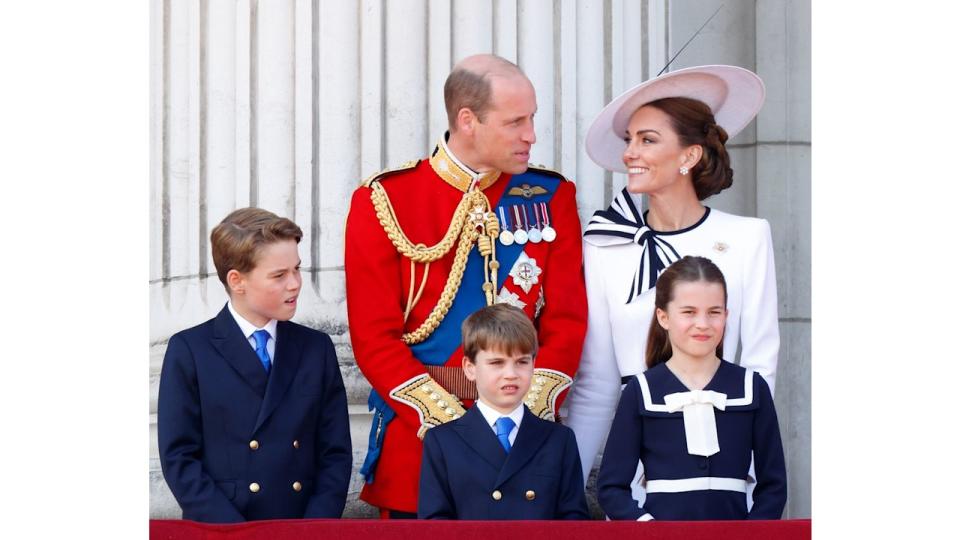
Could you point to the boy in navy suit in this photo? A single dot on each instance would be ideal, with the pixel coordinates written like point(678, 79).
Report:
point(252, 413)
point(500, 461)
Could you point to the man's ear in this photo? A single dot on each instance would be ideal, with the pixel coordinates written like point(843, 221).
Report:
point(466, 121)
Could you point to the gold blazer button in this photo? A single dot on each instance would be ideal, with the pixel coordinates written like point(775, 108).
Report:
point(497, 495)
point(297, 486)
point(254, 445)
point(254, 487)
point(531, 495)
point(296, 443)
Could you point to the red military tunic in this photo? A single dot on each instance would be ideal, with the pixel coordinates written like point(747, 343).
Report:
point(378, 283)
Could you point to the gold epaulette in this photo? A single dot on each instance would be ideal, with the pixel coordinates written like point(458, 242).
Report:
point(547, 384)
point(549, 172)
point(405, 166)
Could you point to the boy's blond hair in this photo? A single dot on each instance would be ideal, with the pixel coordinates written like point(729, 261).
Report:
point(238, 239)
point(500, 327)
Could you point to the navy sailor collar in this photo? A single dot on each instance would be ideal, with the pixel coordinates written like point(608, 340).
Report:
point(735, 382)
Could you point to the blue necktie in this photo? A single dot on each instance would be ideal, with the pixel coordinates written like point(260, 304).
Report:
point(262, 336)
point(504, 426)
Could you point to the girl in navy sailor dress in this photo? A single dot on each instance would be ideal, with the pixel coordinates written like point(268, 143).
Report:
point(691, 418)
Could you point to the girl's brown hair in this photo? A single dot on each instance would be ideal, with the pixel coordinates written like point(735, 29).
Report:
point(687, 270)
point(694, 123)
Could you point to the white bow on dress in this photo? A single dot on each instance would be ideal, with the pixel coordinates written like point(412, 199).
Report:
point(699, 420)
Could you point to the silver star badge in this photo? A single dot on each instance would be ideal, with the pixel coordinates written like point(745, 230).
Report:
point(525, 272)
point(511, 298)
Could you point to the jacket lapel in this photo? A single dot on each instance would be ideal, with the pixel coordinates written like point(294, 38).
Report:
point(479, 436)
point(236, 350)
point(532, 434)
point(286, 362)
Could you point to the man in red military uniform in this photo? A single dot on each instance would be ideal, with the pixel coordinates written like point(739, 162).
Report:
point(434, 240)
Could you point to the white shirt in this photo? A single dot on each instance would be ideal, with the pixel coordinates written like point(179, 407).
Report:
point(616, 338)
point(248, 329)
point(491, 415)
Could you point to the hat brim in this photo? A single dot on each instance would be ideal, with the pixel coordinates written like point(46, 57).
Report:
point(734, 94)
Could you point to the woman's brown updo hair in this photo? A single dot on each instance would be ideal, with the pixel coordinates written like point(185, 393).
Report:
point(694, 123)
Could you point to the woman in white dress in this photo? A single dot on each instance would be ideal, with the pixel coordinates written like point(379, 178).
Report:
point(668, 134)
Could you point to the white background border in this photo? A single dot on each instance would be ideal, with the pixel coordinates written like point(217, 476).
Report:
point(73, 387)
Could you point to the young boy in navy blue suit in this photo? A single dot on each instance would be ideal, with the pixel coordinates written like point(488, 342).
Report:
point(252, 413)
point(500, 461)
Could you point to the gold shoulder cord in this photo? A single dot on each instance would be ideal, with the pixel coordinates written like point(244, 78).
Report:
point(473, 221)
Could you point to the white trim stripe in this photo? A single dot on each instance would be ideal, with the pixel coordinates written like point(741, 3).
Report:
point(703, 483)
point(647, 401)
point(645, 517)
point(601, 219)
point(747, 398)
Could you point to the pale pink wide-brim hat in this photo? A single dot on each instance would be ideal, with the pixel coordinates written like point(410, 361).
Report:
point(734, 94)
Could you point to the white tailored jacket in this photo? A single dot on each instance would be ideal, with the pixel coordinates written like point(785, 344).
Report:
point(616, 337)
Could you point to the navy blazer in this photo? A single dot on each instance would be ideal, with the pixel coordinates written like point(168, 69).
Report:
point(238, 445)
point(467, 475)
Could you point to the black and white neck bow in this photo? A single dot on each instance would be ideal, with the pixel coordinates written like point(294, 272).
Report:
point(622, 223)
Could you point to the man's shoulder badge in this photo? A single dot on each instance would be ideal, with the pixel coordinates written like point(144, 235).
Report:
point(543, 170)
point(405, 166)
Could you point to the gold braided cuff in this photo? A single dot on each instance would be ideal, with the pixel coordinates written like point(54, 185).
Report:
point(433, 403)
point(542, 396)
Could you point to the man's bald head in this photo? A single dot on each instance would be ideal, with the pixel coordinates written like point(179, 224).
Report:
point(468, 85)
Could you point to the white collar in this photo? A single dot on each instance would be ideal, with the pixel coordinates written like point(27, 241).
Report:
point(248, 327)
point(491, 415)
